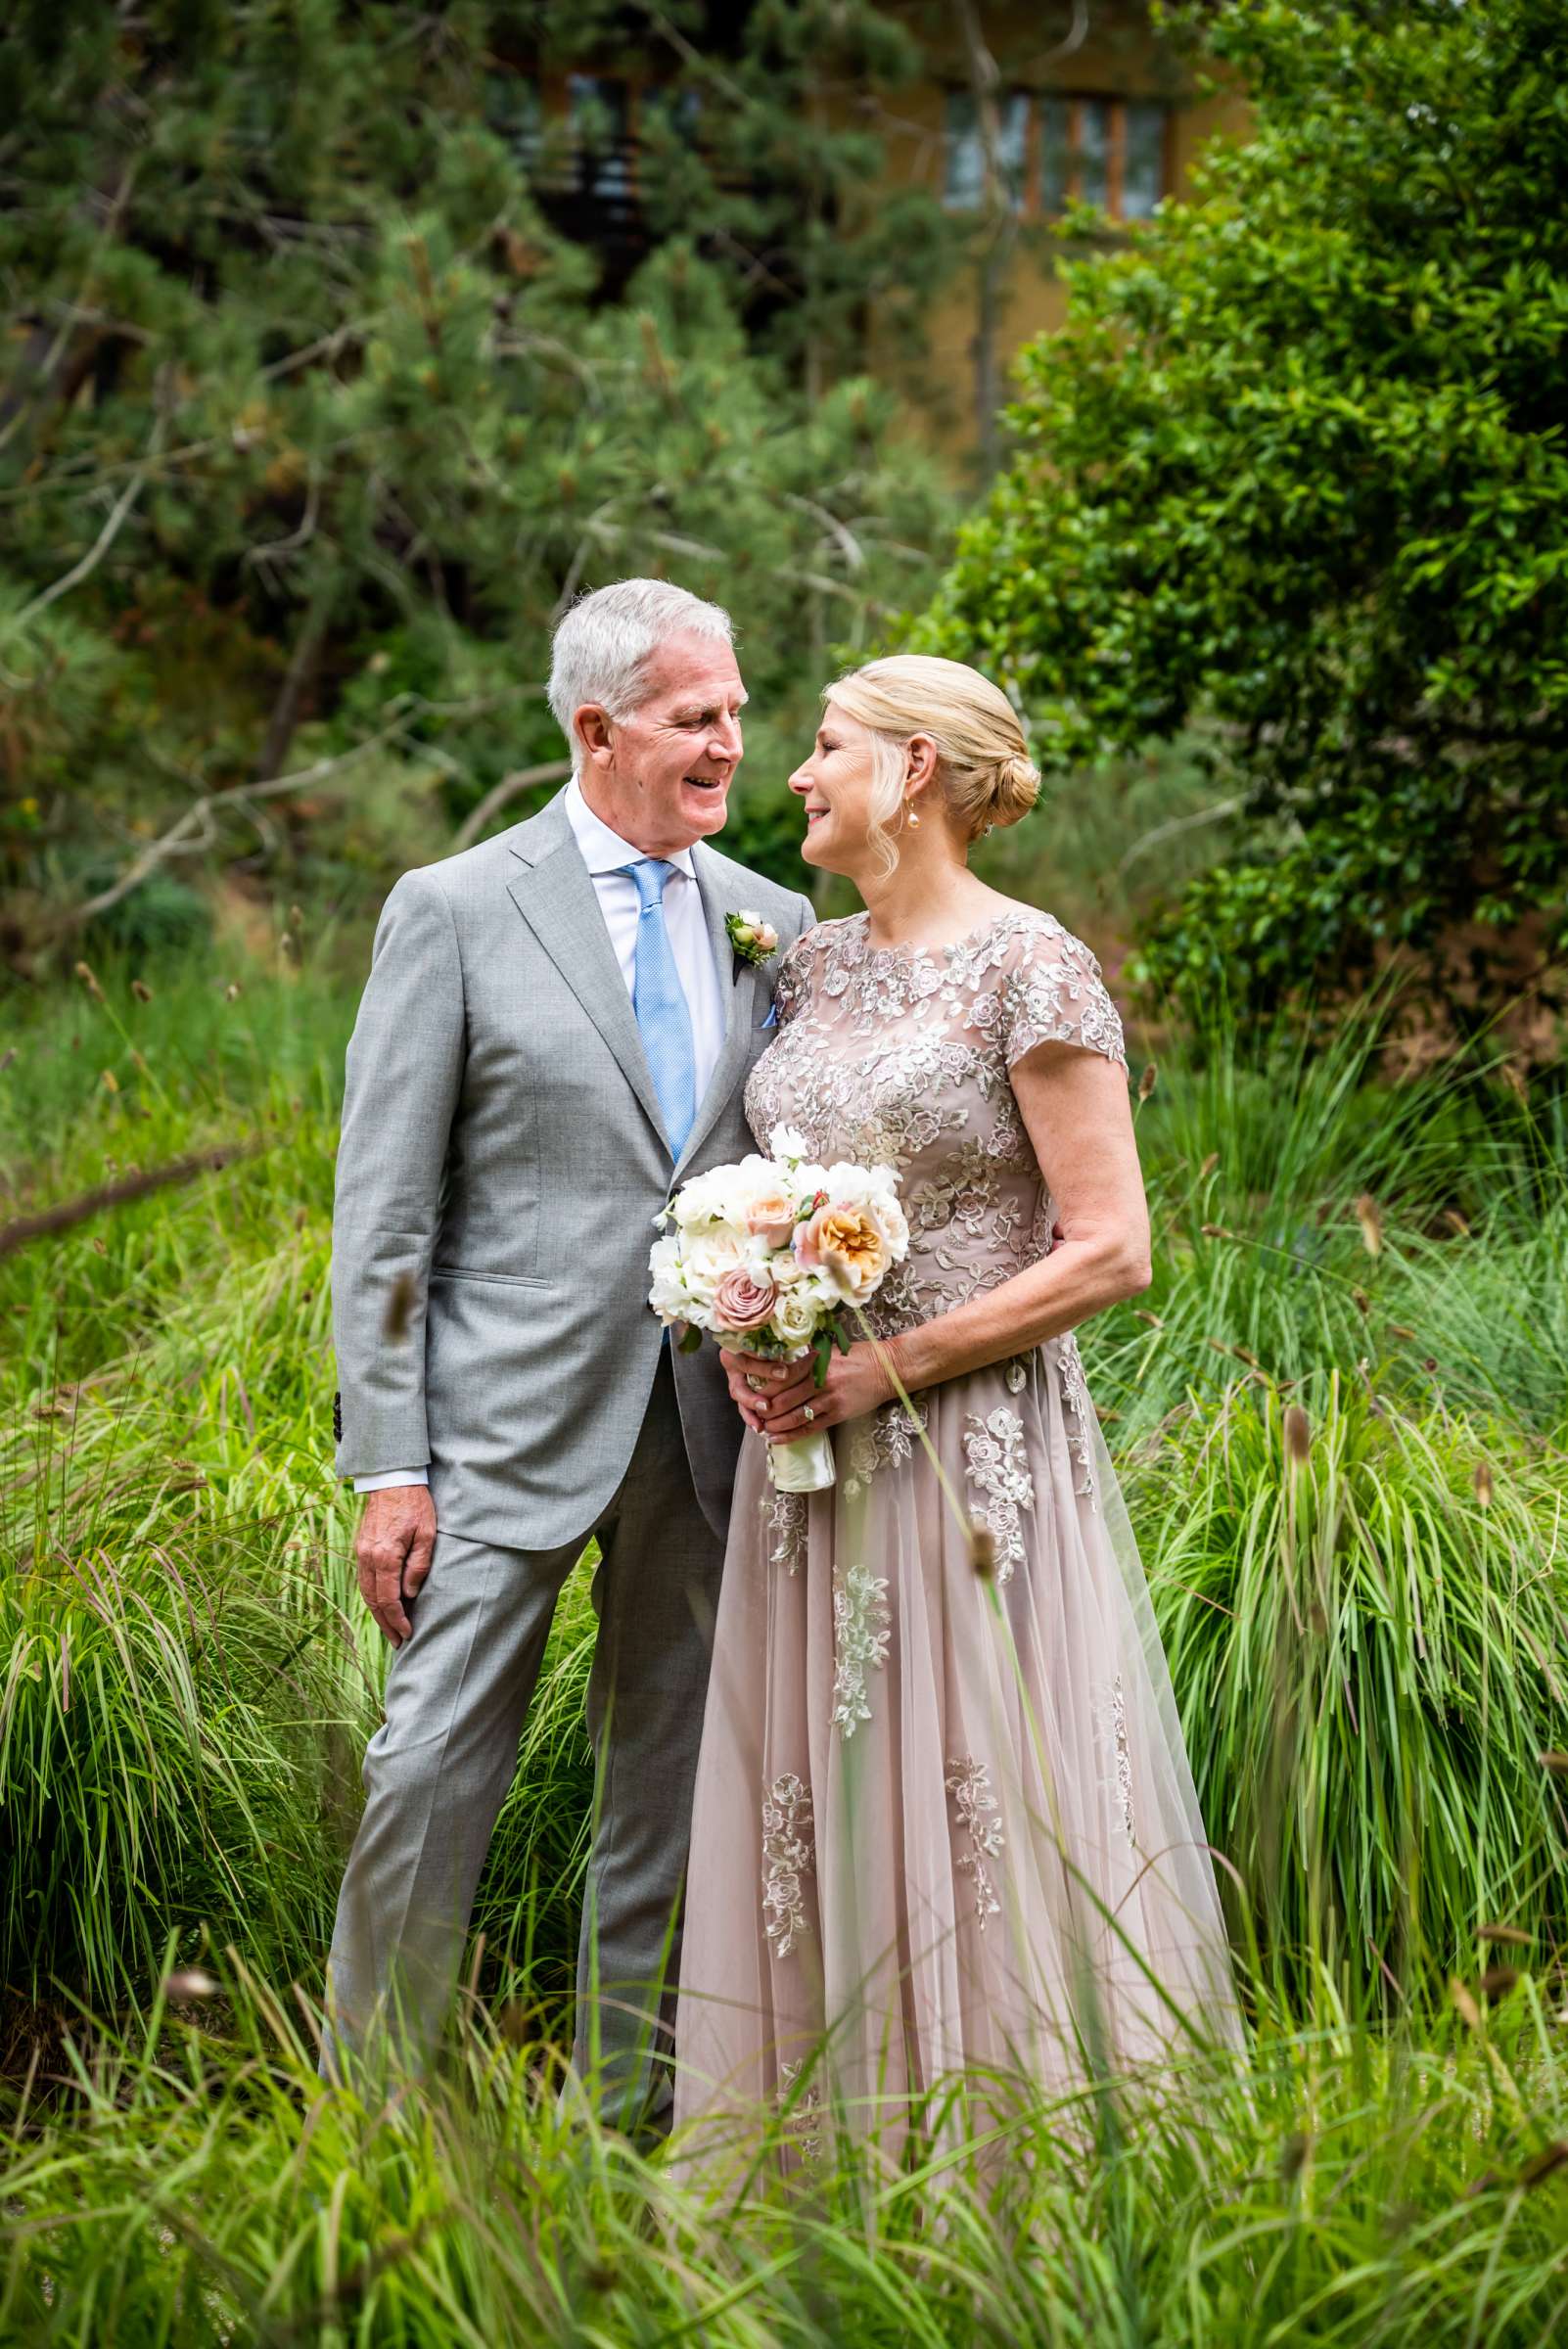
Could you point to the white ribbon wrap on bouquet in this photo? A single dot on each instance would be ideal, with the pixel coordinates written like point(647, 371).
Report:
point(805, 1464)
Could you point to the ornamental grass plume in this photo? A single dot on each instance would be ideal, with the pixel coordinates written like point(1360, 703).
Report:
point(1369, 1216)
point(190, 1982)
point(399, 1315)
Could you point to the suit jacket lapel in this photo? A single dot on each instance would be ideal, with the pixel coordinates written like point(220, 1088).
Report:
point(738, 979)
point(555, 895)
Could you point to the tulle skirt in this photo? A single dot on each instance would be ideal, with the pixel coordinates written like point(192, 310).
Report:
point(944, 1819)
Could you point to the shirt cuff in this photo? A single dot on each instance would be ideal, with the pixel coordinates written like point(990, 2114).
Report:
point(391, 1476)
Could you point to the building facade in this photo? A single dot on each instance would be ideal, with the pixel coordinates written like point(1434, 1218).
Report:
point(1018, 114)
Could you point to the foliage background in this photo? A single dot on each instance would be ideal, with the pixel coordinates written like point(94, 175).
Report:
point(314, 422)
point(1295, 470)
point(312, 411)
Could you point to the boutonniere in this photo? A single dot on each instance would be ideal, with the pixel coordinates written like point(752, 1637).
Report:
point(754, 939)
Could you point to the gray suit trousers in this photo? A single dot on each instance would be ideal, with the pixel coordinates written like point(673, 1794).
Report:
point(436, 1772)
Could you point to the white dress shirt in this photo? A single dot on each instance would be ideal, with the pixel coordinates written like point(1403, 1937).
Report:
point(606, 855)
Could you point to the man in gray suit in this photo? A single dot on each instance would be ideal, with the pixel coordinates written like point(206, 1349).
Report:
point(555, 1033)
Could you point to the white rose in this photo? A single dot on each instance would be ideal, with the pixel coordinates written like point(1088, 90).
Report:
point(697, 1202)
point(785, 1142)
point(667, 1293)
point(795, 1315)
point(708, 1255)
point(847, 1185)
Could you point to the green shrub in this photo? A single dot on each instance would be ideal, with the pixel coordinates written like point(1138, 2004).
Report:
point(1294, 467)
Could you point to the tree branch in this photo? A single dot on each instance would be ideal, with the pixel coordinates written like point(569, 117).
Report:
point(172, 842)
point(1175, 824)
point(1000, 234)
point(552, 770)
point(89, 561)
point(71, 1212)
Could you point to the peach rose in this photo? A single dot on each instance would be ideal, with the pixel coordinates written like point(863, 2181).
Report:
point(848, 1244)
point(771, 1216)
point(742, 1301)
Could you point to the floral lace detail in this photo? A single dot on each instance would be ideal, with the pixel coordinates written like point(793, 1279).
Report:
point(802, 2108)
point(787, 1857)
point(1109, 1720)
point(902, 1056)
point(884, 1439)
point(1076, 1403)
point(1062, 1002)
point(969, 1784)
point(862, 1625)
point(784, 1516)
point(998, 1466)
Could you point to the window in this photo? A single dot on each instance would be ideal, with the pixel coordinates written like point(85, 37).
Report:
point(596, 108)
point(1055, 154)
point(1143, 154)
point(965, 182)
point(679, 112)
point(1094, 152)
point(1109, 152)
point(513, 111)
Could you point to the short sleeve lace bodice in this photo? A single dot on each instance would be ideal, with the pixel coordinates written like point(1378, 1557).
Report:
point(902, 1055)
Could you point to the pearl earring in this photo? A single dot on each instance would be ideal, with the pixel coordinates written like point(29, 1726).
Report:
point(914, 820)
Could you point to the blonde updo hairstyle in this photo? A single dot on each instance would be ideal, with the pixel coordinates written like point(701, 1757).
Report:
point(984, 775)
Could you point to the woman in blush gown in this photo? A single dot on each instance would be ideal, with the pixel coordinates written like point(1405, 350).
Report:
point(944, 1820)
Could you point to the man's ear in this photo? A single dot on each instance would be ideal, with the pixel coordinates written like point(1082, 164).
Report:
point(595, 731)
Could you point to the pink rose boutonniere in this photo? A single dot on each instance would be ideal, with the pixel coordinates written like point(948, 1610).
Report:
point(754, 939)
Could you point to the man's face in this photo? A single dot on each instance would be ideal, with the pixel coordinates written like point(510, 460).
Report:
point(661, 777)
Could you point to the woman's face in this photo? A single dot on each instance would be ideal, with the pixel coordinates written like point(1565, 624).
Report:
point(837, 784)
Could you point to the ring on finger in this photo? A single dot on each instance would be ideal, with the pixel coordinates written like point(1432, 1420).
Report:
point(807, 1412)
point(755, 1383)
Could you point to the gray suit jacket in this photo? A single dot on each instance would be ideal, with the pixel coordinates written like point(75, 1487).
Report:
point(502, 1163)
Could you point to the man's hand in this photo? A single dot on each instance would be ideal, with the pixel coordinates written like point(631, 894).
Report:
point(393, 1547)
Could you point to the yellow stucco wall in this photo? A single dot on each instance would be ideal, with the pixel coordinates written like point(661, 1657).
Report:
point(1121, 58)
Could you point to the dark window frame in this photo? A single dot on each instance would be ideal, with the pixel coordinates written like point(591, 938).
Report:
point(1035, 201)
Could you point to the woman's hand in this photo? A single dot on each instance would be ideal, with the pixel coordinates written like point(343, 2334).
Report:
point(774, 1398)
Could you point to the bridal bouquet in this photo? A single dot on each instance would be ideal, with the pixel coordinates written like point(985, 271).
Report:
point(767, 1255)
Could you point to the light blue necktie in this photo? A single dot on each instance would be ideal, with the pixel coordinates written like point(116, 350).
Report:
point(660, 1003)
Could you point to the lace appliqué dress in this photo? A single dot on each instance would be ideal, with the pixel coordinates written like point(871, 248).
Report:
point(943, 1817)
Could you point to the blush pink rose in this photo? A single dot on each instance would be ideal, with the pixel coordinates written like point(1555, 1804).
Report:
point(742, 1301)
point(772, 1217)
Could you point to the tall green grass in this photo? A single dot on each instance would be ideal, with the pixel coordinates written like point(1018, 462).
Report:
point(1364, 1611)
point(1389, 1259)
point(1344, 2185)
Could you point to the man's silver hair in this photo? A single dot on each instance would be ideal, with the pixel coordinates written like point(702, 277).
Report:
point(603, 642)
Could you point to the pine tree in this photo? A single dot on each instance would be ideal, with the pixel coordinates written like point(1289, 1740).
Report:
point(313, 418)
